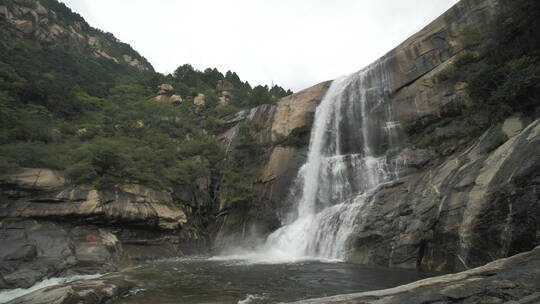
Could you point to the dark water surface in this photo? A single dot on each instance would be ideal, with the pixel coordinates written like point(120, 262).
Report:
point(199, 280)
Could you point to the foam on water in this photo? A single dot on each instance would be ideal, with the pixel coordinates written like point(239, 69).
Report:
point(353, 135)
point(8, 295)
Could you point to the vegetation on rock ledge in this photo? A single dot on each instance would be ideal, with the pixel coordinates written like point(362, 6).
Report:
point(500, 65)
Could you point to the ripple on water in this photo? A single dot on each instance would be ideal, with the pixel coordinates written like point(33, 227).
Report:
point(224, 281)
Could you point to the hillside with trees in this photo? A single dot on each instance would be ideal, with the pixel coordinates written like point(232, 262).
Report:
point(62, 107)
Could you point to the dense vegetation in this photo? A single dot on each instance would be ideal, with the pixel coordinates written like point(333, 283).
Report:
point(500, 65)
point(97, 120)
point(501, 61)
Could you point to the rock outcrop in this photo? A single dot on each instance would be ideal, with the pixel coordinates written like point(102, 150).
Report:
point(49, 227)
point(95, 291)
point(410, 70)
point(511, 281)
point(412, 67)
point(166, 95)
point(465, 211)
point(199, 100)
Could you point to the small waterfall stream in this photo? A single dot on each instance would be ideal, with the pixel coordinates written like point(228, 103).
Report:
point(351, 145)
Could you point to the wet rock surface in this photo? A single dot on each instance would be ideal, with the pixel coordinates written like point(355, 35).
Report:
point(463, 212)
point(51, 228)
point(95, 291)
point(510, 281)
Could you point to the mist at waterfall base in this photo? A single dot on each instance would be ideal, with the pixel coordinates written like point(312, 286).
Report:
point(350, 154)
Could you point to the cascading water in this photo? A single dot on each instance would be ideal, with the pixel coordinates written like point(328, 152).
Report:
point(352, 138)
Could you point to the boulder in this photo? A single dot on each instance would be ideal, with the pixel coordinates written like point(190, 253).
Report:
point(298, 109)
point(513, 125)
point(32, 250)
point(66, 229)
point(38, 179)
point(134, 62)
point(175, 99)
point(199, 100)
point(163, 89)
point(95, 291)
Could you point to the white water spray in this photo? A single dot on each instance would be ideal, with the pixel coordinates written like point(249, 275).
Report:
point(352, 136)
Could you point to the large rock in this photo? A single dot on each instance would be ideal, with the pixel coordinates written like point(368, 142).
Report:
point(95, 291)
point(133, 205)
point(412, 67)
point(33, 250)
point(165, 88)
point(36, 179)
point(464, 212)
point(50, 228)
point(512, 281)
point(199, 100)
point(298, 110)
point(173, 99)
point(166, 94)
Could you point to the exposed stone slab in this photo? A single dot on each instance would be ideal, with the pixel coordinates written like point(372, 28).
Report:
point(95, 291)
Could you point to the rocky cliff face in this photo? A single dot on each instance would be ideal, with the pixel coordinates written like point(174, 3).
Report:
point(53, 24)
point(463, 211)
point(51, 228)
point(412, 67)
point(279, 169)
point(458, 204)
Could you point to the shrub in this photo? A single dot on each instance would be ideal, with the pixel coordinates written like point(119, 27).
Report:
point(448, 73)
point(496, 140)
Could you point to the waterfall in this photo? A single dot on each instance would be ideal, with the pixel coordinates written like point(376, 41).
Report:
point(352, 141)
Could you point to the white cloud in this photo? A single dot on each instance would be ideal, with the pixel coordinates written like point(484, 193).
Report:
point(294, 43)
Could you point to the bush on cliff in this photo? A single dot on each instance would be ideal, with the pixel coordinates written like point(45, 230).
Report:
point(501, 61)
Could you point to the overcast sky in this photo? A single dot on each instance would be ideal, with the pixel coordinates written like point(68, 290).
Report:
point(294, 43)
